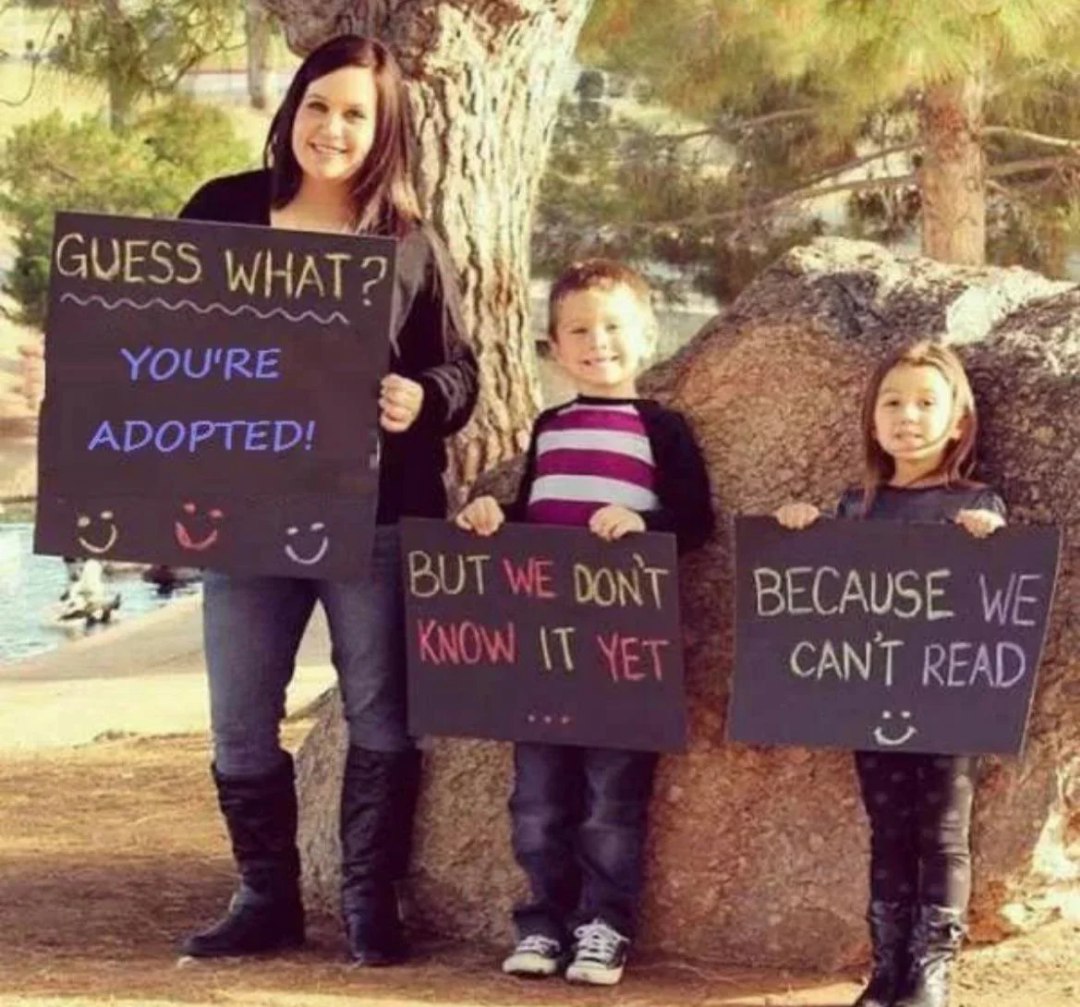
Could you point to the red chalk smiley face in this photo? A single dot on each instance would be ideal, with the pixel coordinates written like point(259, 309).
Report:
point(84, 522)
point(183, 536)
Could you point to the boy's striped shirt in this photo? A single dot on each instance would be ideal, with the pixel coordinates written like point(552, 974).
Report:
point(588, 455)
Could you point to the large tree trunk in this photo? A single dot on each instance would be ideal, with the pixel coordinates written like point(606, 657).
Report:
point(952, 178)
point(485, 78)
point(257, 37)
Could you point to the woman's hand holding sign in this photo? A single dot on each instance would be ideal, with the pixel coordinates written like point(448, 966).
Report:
point(400, 400)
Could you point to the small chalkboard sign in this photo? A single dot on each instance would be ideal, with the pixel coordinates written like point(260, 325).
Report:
point(540, 633)
point(888, 635)
point(211, 395)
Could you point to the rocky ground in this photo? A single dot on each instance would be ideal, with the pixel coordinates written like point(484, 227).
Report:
point(111, 850)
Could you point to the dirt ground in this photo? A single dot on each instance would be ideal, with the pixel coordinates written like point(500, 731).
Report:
point(109, 851)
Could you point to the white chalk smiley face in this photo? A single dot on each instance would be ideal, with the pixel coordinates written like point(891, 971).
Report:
point(315, 531)
point(183, 535)
point(885, 739)
point(84, 522)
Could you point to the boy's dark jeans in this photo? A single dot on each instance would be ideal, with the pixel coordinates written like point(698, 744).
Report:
point(578, 817)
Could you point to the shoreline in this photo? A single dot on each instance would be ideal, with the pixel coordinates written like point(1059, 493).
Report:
point(143, 677)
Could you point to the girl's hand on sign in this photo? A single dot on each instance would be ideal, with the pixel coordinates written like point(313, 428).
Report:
point(797, 516)
point(613, 522)
point(979, 523)
point(400, 400)
point(483, 516)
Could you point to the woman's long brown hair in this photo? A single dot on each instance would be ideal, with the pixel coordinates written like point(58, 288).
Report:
point(383, 194)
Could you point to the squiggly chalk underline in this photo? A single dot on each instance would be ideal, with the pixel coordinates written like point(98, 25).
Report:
point(335, 316)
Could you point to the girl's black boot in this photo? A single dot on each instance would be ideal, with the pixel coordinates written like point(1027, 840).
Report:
point(935, 940)
point(890, 932)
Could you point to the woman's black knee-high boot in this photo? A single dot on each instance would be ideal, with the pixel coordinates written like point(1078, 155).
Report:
point(266, 912)
point(378, 798)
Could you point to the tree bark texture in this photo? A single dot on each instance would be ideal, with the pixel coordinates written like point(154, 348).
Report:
point(485, 78)
point(257, 36)
point(952, 178)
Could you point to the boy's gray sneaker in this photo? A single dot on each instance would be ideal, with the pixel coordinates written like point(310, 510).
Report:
point(599, 955)
point(536, 956)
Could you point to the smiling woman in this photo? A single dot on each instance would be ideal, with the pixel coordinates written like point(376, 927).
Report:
point(337, 160)
point(335, 125)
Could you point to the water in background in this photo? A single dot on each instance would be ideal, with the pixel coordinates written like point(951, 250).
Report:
point(30, 587)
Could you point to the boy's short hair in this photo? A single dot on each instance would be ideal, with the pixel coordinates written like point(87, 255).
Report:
point(597, 274)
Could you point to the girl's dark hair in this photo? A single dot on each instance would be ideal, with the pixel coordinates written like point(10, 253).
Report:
point(957, 465)
point(383, 195)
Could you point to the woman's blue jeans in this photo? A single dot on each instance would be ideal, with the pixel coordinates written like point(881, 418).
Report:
point(252, 628)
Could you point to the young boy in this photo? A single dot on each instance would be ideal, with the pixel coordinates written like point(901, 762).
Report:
point(618, 464)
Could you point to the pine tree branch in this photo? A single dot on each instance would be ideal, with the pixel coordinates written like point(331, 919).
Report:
point(739, 125)
point(674, 138)
point(800, 195)
point(61, 173)
point(900, 148)
point(806, 193)
point(823, 176)
point(782, 116)
point(172, 81)
point(1025, 134)
point(1026, 165)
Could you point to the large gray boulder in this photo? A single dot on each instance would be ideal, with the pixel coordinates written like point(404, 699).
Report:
point(758, 855)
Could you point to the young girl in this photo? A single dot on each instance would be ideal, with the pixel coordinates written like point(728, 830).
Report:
point(337, 160)
point(919, 429)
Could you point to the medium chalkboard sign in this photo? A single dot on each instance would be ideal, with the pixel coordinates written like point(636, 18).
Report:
point(888, 635)
point(543, 634)
point(211, 395)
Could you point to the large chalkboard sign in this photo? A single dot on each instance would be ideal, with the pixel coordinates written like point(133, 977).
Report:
point(888, 635)
point(211, 395)
point(547, 634)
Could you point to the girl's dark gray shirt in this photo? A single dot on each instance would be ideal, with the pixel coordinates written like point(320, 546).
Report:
point(921, 503)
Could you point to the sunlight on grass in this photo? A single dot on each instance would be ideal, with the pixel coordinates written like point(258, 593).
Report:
point(51, 91)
